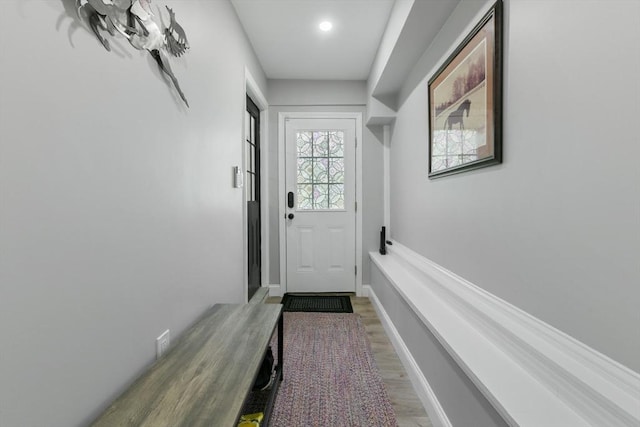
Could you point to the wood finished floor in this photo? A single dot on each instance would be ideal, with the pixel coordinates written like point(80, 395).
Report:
point(408, 408)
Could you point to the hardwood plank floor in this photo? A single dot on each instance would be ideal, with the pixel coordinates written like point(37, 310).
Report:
point(408, 408)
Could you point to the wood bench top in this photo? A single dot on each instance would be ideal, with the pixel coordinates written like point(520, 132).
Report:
point(205, 376)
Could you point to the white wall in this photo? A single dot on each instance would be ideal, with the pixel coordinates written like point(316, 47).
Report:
point(555, 229)
point(118, 219)
point(316, 92)
point(397, 18)
point(326, 96)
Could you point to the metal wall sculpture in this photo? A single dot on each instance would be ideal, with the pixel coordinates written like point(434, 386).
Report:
point(134, 20)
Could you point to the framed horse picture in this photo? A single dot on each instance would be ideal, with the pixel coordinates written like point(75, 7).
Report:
point(465, 102)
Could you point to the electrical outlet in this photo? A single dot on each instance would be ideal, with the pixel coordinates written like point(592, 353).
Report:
point(162, 343)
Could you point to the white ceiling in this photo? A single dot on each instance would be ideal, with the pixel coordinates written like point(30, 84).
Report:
point(289, 44)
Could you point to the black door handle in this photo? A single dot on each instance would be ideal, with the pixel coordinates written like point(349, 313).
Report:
point(290, 200)
point(290, 216)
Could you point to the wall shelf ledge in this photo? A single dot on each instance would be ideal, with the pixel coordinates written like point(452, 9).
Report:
point(532, 373)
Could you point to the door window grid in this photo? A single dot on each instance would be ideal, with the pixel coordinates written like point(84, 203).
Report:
point(251, 168)
point(320, 170)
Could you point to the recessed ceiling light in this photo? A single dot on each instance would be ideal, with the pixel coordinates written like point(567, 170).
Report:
point(325, 25)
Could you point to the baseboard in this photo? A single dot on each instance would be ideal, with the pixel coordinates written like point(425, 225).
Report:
point(275, 290)
point(365, 291)
point(424, 391)
point(516, 360)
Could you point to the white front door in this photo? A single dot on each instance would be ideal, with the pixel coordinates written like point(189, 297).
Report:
point(320, 197)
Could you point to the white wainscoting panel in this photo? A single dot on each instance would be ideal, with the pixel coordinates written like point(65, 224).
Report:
point(533, 374)
point(424, 391)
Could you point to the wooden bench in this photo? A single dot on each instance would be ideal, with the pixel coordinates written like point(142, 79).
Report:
point(206, 377)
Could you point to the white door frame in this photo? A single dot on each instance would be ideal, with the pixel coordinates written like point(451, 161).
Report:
point(282, 117)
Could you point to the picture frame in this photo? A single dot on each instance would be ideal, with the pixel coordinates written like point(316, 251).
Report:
point(465, 102)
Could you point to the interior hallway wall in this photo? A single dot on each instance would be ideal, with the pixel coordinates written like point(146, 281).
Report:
point(555, 229)
point(118, 218)
point(326, 96)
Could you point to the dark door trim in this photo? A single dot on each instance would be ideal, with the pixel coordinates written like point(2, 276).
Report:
point(252, 183)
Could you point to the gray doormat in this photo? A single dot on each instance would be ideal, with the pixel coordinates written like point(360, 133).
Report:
point(317, 303)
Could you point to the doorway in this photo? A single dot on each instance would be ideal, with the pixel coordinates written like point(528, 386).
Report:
point(252, 195)
point(320, 221)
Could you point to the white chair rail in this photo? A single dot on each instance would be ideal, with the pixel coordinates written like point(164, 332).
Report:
point(532, 373)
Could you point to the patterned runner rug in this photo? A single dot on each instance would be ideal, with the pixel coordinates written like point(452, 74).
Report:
point(330, 375)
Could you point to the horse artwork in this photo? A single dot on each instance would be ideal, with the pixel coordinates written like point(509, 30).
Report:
point(134, 20)
point(457, 116)
point(461, 139)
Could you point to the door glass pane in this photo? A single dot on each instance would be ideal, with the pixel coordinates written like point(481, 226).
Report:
point(252, 158)
point(305, 170)
point(303, 141)
point(247, 126)
point(247, 157)
point(321, 144)
point(320, 172)
point(336, 196)
point(336, 146)
point(305, 197)
point(321, 196)
point(336, 171)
